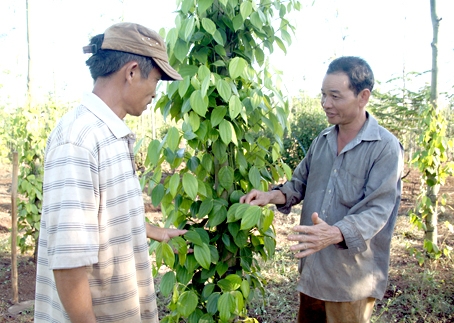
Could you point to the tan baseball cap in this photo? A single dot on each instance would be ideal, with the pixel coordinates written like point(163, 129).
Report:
point(137, 39)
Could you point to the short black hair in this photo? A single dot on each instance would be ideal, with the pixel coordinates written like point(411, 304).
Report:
point(358, 71)
point(105, 62)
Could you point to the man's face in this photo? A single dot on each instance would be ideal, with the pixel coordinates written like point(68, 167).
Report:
point(143, 91)
point(340, 104)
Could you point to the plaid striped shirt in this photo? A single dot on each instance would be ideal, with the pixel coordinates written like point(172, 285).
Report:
point(93, 217)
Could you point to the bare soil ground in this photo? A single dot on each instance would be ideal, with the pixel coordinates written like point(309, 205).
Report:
point(415, 293)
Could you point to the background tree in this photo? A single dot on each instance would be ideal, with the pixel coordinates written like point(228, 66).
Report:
point(226, 97)
point(432, 159)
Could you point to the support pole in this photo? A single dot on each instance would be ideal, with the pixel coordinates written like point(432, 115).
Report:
point(14, 229)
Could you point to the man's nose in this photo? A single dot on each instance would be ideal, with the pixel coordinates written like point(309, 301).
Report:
point(326, 102)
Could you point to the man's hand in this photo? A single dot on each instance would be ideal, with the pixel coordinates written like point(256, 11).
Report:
point(256, 197)
point(162, 234)
point(315, 237)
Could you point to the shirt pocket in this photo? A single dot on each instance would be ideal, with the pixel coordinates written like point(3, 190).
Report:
point(349, 188)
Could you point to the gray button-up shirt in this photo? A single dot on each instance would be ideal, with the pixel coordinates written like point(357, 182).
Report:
point(358, 191)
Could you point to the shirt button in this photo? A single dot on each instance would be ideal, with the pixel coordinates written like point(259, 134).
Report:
point(323, 211)
point(329, 191)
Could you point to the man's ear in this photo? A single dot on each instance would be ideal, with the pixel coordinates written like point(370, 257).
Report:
point(131, 71)
point(364, 96)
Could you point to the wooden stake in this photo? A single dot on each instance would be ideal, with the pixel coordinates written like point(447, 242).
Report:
point(14, 229)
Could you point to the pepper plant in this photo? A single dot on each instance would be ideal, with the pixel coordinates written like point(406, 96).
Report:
point(227, 99)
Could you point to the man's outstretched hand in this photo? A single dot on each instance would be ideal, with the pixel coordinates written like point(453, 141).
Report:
point(314, 237)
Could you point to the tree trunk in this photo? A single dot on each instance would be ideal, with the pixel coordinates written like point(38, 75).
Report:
point(432, 191)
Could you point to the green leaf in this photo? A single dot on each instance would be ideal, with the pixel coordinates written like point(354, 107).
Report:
point(168, 254)
point(154, 152)
point(288, 171)
point(181, 50)
point(226, 177)
point(267, 219)
point(218, 115)
point(218, 37)
point(235, 281)
point(173, 138)
point(157, 194)
point(216, 218)
point(259, 56)
point(245, 9)
point(199, 103)
point(187, 303)
point(280, 44)
point(207, 162)
point(212, 303)
point(245, 288)
point(205, 207)
point(173, 184)
point(202, 255)
point(237, 22)
point(190, 185)
point(193, 237)
point(221, 268)
point(189, 28)
point(221, 52)
point(225, 130)
point(219, 151)
point(168, 281)
point(224, 90)
point(256, 21)
point(183, 86)
point(254, 177)
point(235, 106)
point(236, 67)
point(203, 5)
point(251, 217)
point(209, 25)
point(226, 306)
point(194, 121)
point(207, 291)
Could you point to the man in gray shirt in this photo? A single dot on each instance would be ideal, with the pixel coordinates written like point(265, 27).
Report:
point(351, 187)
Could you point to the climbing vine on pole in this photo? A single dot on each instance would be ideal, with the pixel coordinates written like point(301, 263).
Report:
point(233, 116)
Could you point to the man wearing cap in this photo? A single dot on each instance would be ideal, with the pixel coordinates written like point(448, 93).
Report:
point(350, 183)
point(93, 261)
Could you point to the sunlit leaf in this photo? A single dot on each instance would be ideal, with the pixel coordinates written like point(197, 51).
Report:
point(209, 25)
point(174, 183)
point(202, 255)
point(224, 90)
point(198, 103)
point(235, 106)
point(245, 9)
point(190, 185)
point(250, 217)
point(236, 67)
point(218, 115)
point(187, 303)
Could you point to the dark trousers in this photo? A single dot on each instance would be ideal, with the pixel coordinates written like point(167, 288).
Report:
point(313, 310)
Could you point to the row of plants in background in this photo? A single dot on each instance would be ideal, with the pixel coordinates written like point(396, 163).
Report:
point(227, 96)
point(307, 119)
point(25, 130)
point(432, 161)
point(425, 132)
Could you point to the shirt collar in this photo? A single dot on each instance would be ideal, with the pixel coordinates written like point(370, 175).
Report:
point(369, 132)
point(97, 106)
